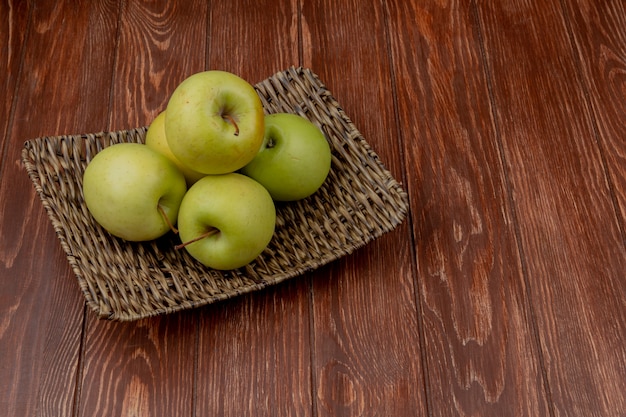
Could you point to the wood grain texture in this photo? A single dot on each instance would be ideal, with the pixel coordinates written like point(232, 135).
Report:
point(365, 363)
point(600, 41)
point(139, 369)
point(372, 366)
point(253, 40)
point(254, 352)
point(573, 250)
point(160, 44)
point(13, 28)
point(150, 365)
point(42, 308)
point(479, 346)
point(254, 355)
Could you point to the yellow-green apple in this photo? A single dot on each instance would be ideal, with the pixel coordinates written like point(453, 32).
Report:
point(155, 139)
point(133, 192)
point(214, 122)
point(226, 221)
point(294, 159)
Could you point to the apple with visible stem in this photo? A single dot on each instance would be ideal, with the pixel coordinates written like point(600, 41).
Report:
point(133, 192)
point(214, 122)
point(294, 159)
point(226, 221)
point(155, 139)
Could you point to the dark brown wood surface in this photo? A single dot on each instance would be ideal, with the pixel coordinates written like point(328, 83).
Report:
point(503, 293)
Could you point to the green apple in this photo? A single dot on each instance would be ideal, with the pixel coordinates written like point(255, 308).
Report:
point(294, 159)
point(214, 122)
point(133, 191)
point(155, 139)
point(226, 221)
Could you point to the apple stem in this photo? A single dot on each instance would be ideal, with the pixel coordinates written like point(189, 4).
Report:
point(204, 235)
point(167, 220)
point(231, 120)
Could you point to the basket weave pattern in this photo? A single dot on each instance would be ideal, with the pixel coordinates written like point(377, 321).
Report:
point(122, 280)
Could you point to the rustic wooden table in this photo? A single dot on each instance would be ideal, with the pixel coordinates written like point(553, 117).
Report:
point(503, 293)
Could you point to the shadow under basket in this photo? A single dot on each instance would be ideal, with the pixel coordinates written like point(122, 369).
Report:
point(121, 280)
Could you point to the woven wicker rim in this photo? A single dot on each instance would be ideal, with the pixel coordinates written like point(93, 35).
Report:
point(124, 281)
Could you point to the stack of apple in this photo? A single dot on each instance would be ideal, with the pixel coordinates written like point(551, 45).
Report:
point(211, 169)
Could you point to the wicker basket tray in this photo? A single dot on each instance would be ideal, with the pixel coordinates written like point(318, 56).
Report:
point(120, 280)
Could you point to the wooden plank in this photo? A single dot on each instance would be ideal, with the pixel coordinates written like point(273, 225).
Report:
point(253, 41)
point(146, 367)
point(13, 27)
point(139, 368)
point(479, 350)
point(41, 306)
point(574, 256)
point(367, 347)
point(254, 351)
point(254, 354)
point(161, 43)
point(599, 33)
